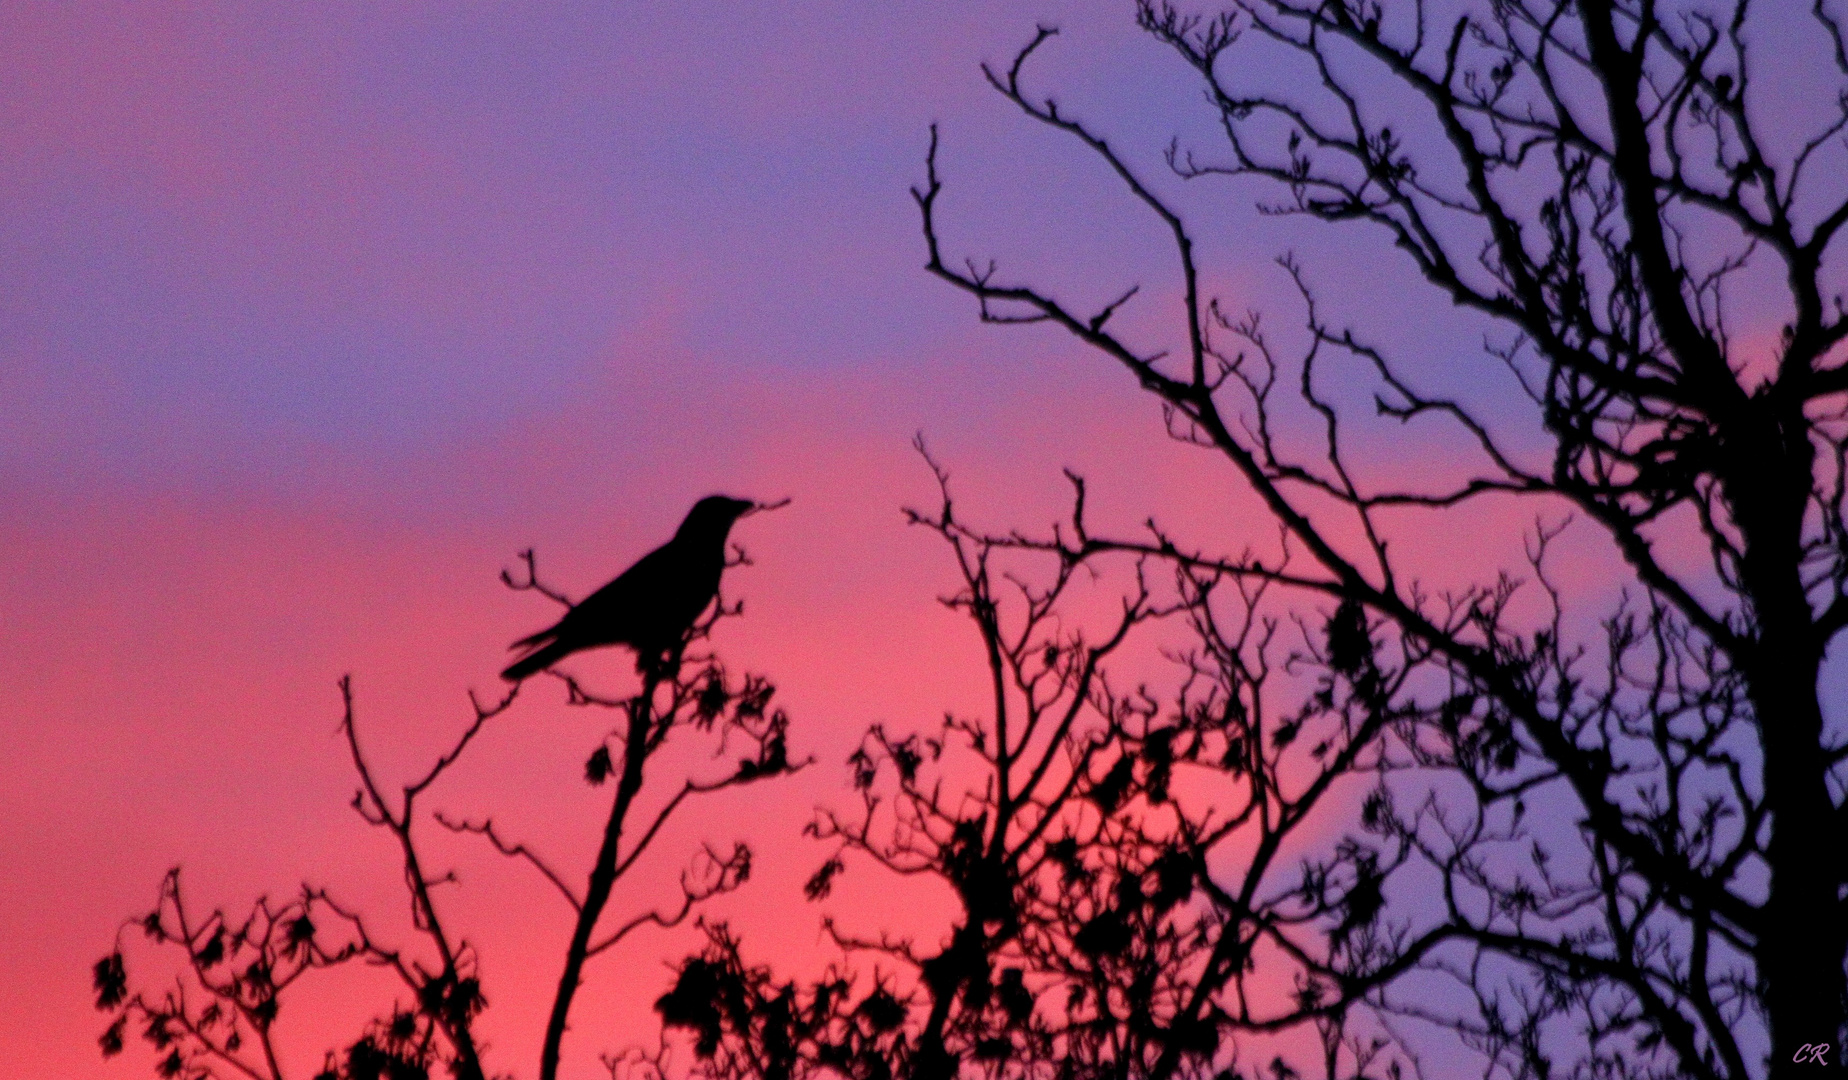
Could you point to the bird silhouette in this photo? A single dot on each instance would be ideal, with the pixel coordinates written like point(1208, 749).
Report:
point(651, 605)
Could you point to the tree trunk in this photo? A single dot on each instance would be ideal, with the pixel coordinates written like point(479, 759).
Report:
point(602, 878)
point(1803, 936)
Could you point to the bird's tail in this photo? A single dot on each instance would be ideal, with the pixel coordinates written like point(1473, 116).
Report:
point(532, 640)
point(537, 660)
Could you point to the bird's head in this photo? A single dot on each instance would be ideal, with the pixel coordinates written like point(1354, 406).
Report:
point(714, 514)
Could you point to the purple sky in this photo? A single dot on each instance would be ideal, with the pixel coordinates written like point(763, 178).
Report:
point(308, 322)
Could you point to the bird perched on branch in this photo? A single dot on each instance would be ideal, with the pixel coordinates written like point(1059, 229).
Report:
point(651, 605)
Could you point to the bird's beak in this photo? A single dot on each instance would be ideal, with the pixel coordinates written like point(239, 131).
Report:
point(747, 508)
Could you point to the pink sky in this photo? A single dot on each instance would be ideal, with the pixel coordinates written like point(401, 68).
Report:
point(308, 324)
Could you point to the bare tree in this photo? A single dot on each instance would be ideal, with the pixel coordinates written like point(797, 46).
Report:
point(1113, 848)
point(1610, 186)
point(217, 1016)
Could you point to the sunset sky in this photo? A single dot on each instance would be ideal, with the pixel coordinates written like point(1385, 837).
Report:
point(310, 322)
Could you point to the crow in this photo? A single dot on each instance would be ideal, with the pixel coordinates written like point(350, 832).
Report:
point(651, 605)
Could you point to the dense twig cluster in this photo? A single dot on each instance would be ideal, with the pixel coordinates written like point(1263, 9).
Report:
point(1595, 178)
point(1123, 861)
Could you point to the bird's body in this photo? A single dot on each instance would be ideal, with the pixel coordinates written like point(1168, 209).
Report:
point(651, 605)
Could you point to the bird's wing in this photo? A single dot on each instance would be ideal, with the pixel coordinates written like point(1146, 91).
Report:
point(611, 613)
